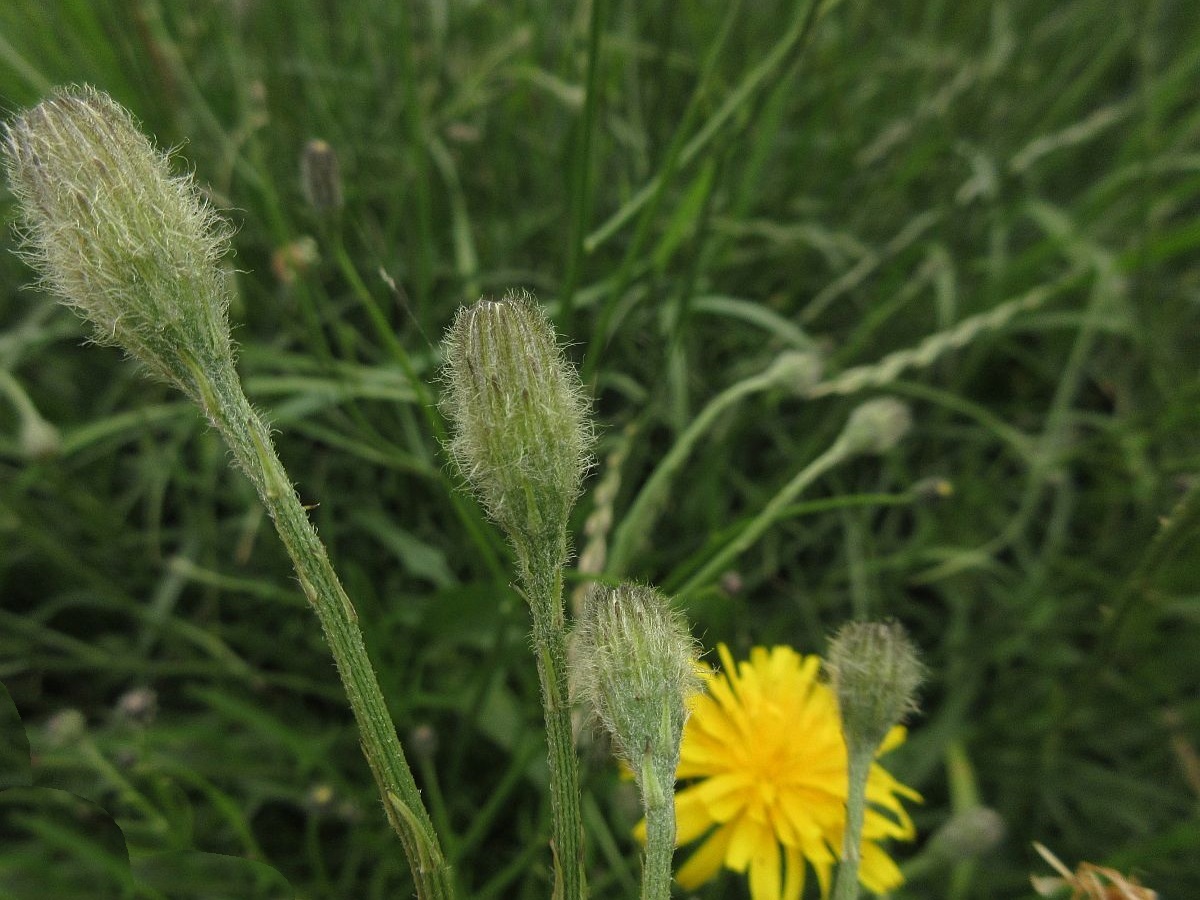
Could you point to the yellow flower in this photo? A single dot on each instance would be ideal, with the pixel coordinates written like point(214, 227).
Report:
point(766, 746)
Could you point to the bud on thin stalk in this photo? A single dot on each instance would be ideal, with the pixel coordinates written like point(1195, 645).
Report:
point(522, 439)
point(874, 427)
point(134, 250)
point(321, 177)
point(635, 670)
point(875, 672)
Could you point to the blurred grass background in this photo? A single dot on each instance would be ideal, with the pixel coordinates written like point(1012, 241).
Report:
point(991, 211)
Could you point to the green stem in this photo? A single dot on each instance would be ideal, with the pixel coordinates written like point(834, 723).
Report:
point(250, 441)
point(658, 799)
point(636, 525)
point(858, 770)
point(766, 517)
point(541, 577)
point(581, 164)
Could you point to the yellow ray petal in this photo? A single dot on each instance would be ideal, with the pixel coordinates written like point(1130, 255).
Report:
point(793, 874)
point(706, 861)
point(765, 874)
point(877, 872)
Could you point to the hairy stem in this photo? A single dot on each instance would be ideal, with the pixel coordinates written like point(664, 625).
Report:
point(658, 800)
point(859, 769)
point(541, 579)
point(250, 440)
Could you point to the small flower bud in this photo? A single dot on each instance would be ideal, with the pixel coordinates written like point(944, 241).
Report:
point(635, 667)
point(521, 429)
point(38, 439)
point(132, 248)
point(875, 672)
point(65, 728)
point(967, 835)
point(877, 426)
point(320, 798)
point(138, 706)
point(423, 740)
point(797, 371)
point(933, 489)
point(321, 177)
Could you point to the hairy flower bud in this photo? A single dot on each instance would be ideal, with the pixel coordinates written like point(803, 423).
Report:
point(635, 668)
point(130, 246)
point(521, 429)
point(875, 672)
point(876, 426)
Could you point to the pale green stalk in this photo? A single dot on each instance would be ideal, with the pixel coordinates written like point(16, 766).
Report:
point(801, 369)
point(859, 769)
point(658, 801)
point(541, 582)
point(135, 250)
point(874, 427)
point(249, 439)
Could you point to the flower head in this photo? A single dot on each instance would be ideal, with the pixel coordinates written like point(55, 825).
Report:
point(875, 672)
point(118, 237)
point(766, 747)
point(635, 669)
point(522, 433)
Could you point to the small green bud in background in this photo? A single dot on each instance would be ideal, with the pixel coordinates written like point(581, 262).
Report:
point(635, 667)
point(877, 426)
point(118, 237)
point(967, 835)
point(875, 672)
point(66, 728)
point(522, 435)
point(37, 439)
point(796, 371)
point(320, 177)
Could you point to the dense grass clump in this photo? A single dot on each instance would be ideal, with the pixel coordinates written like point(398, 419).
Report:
point(749, 220)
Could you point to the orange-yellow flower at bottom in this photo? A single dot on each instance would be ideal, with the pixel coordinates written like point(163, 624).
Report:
point(766, 746)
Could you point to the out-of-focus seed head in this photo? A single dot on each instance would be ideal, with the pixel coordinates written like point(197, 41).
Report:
point(521, 431)
point(115, 235)
point(875, 672)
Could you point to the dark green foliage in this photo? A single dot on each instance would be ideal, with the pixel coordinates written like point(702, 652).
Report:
point(749, 186)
